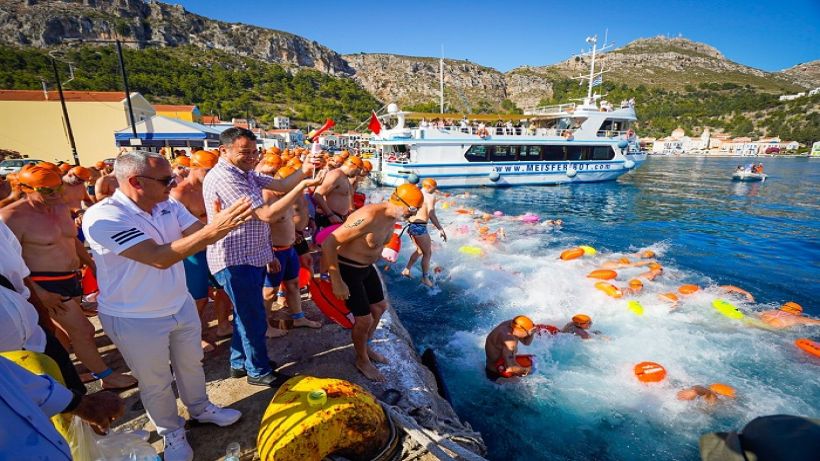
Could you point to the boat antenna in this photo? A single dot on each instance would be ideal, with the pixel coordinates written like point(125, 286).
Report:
point(594, 78)
point(441, 80)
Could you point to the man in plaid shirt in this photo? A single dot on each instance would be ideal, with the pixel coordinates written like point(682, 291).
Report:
point(238, 261)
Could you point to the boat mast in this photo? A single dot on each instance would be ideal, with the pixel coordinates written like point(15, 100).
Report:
point(441, 79)
point(592, 78)
point(594, 42)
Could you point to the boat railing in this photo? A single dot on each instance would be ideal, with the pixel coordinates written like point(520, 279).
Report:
point(507, 131)
point(613, 134)
point(554, 109)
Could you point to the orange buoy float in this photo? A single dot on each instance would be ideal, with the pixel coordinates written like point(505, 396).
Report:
point(463, 211)
point(669, 297)
point(572, 253)
point(650, 372)
point(602, 274)
point(688, 289)
point(609, 289)
point(808, 346)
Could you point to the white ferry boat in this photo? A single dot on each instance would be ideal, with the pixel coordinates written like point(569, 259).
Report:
point(586, 142)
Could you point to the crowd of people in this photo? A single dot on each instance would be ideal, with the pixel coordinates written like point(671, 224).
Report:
point(145, 242)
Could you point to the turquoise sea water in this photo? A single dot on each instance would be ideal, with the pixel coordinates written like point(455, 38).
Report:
point(583, 402)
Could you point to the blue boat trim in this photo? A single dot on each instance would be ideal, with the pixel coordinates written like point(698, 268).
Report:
point(436, 165)
point(511, 173)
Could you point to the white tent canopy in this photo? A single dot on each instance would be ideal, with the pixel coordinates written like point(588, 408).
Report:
point(159, 131)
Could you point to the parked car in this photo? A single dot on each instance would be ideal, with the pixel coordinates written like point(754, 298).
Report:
point(15, 164)
point(772, 150)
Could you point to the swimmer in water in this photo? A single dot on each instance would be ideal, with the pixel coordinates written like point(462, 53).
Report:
point(709, 394)
point(789, 315)
point(580, 326)
point(501, 345)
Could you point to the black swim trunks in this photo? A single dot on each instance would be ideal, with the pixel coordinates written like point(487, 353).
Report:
point(364, 285)
point(301, 245)
point(65, 284)
point(491, 374)
point(323, 221)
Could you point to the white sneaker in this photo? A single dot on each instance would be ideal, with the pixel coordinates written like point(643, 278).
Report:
point(220, 416)
point(177, 447)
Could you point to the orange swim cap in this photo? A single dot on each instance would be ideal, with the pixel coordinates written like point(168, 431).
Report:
point(344, 154)
point(429, 183)
point(624, 260)
point(723, 389)
point(275, 150)
point(355, 161)
point(647, 254)
point(295, 163)
point(523, 322)
point(81, 172)
point(407, 195)
point(284, 172)
point(688, 289)
point(636, 284)
point(183, 161)
point(367, 165)
point(99, 165)
point(792, 308)
point(38, 176)
point(64, 168)
point(273, 160)
point(655, 266)
point(580, 319)
point(51, 167)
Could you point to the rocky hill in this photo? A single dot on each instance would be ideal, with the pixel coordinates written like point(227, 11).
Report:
point(46, 23)
point(806, 75)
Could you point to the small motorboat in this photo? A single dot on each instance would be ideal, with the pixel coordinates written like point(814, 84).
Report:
point(748, 176)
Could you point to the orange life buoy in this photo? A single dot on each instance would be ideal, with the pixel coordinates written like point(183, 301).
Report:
point(650, 372)
point(525, 361)
point(808, 346)
point(602, 274)
point(572, 253)
point(609, 289)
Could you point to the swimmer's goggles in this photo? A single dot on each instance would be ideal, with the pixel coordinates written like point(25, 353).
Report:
point(45, 190)
point(411, 209)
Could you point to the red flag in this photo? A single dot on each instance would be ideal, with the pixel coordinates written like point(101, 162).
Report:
point(374, 124)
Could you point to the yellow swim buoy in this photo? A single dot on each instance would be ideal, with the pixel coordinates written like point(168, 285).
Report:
point(588, 250)
point(471, 250)
point(310, 418)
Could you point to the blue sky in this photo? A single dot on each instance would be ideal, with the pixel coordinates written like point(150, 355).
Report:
point(769, 35)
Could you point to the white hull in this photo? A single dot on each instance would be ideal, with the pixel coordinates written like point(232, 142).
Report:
point(749, 177)
point(509, 173)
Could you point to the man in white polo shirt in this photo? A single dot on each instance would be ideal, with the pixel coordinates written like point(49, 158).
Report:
point(138, 238)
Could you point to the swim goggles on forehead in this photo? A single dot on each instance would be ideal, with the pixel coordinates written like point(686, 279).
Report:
point(411, 209)
point(44, 190)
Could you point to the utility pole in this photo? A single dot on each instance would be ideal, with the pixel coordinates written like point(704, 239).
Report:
point(127, 91)
point(65, 114)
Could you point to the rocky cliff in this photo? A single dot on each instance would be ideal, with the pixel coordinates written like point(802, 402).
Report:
point(45, 23)
point(806, 75)
point(671, 63)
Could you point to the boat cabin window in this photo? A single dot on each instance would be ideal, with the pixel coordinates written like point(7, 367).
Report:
point(477, 153)
point(504, 153)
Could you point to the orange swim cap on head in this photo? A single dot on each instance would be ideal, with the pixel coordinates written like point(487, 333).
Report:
point(723, 389)
point(284, 172)
point(99, 165)
point(272, 160)
point(40, 176)
point(355, 161)
point(407, 195)
point(792, 308)
point(367, 165)
point(182, 161)
point(635, 284)
point(295, 163)
point(581, 319)
point(64, 168)
point(429, 183)
point(523, 322)
point(81, 172)
point(204, 159)
point(647, 254)
point(344, 154)
point(624, 260)
point(52, 167)
point(655, 266)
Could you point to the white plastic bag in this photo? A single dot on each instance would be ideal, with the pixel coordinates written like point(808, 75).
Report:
point(83, 441)
point(125, 446)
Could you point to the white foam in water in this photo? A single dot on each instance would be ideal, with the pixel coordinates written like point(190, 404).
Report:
point(584, 400)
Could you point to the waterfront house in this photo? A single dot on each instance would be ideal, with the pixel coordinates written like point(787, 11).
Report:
point(187, 113)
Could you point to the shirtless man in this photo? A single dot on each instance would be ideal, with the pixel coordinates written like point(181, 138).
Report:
point(43, 225)
point(349, 254)
point(502, 343)
point(75, 193)
point(417, 230)
point(579, 326)
point(789, 315)
point(197, 276)
point(285, 266)
point(334, 197)
point(107, 183)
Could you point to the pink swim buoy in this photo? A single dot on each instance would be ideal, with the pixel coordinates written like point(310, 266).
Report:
point(324, 233)
point(498, 213)
point(530, 218)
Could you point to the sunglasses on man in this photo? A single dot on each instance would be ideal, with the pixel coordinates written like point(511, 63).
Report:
point(167, 181)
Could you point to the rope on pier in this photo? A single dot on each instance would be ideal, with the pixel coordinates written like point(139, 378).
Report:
point(424, 427)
